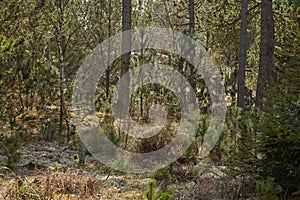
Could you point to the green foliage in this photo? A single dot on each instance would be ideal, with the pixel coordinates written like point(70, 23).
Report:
point(162, 174)
point(48, 129)
point(5, 44)
point(164, 195)
point(238, 140)
point(267, 189)
point(151, 190)
point(107, 126)
point(10, 147)
point(30, 191)
point(29, 65)
point(151, 193)
point(279, 139)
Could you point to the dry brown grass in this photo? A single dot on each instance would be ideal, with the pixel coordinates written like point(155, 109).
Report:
point(66, 184)
point(54, 185)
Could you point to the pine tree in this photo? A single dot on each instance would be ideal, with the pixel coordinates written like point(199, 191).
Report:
point(279, 127)
point(266, 60)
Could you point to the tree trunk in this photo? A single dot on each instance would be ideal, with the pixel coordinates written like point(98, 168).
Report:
point(140, 76)
point(125, 59)
point(266, 62)
point(64, 115)
point(107, 73)
point(192, 48)
point(243, 55)
point(192, 17)
point(81, 153)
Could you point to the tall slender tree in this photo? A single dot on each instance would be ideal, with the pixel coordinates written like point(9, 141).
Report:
point(266, 62)
point(191, 16)
point(61, 57)
point(243, 55)
point(192, 33)
point(125, 62)
point(107, 83)
point(125, 59)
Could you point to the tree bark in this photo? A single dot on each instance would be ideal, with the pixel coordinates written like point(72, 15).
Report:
point(266, 62)
point(107, 71)
point(123, 98)
point(192, 17)
point(243, 55)
point(192, 48)
point(64, 115)
point(125, 59)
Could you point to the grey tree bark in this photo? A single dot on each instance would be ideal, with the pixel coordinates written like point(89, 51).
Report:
point(191, 16)
point(243, 55)
point(192, 32)
point(64, 114)
point(107, 71)
point(125, 62)
point(266, 62)
point(125, 59)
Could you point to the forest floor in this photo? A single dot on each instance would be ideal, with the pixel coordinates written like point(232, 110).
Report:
point(47, 169)
point(50, 170)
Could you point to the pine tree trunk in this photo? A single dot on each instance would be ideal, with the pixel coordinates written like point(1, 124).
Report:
point(64, 115)
point(107, 73)
point(243, 55)
point(125, 59)
point(266, 62)
point(192, 17)
point(123, 98)
point(192, 48)
point(81, 153)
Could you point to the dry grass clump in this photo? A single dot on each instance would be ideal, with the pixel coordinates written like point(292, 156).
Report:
point(55, 185)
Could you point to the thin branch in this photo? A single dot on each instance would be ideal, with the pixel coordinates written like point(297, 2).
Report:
point(239, 18)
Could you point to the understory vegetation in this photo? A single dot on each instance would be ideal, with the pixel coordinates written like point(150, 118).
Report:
point(254, 44)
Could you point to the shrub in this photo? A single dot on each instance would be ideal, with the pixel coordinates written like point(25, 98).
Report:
point(267, 189)
point(151, 193)
point(278, 129)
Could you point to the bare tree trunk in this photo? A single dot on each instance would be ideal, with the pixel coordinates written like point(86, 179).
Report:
point(81, 153)
point(192, 48)
point(266, 62)
point(140, 76)
point(243, 55)
point(61, 55)
point(107, 73)
point(125, 59)
point(192, 17)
